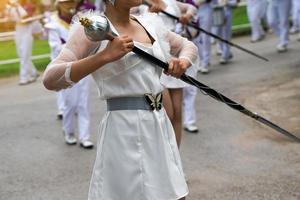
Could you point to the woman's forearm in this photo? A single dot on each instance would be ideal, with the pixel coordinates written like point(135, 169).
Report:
point(88, 65)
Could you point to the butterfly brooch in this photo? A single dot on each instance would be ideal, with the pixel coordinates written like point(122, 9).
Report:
point(155, 101)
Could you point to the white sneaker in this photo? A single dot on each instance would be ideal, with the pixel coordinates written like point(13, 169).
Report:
point(203, 70)
point(191, 128)
point(70, 139)
point(24, 82)
point(281, 48)
point(224, 61)
point(86, 144)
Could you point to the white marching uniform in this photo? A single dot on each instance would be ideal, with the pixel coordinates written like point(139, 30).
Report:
point(225, 30)
point(72, 100)
point(256, 10)
point(24, 41)
point(137, 154)
point(278, 19)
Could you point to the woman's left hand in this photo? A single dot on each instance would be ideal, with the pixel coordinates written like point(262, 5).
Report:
point(178, 66)
point(184, 19)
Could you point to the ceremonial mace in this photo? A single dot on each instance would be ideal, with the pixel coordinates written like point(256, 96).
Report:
point(211, 34)
point(97, 28)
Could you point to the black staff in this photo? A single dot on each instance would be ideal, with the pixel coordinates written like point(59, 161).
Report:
point(212, 35)
point(97, 29)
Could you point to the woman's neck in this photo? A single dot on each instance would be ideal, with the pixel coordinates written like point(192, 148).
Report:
point(118, 16)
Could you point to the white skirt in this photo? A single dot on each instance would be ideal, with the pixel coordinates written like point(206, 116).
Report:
point(137, 158)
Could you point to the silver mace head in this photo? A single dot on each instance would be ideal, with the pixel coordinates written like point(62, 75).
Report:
point(97, 28)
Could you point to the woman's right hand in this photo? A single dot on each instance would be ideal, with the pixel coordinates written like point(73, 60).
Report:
point(157, 6)
point(118, 47)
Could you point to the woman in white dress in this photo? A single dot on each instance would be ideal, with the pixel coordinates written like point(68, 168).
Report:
point(137, 156)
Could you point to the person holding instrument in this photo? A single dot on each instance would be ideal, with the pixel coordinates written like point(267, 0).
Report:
point(137, 154)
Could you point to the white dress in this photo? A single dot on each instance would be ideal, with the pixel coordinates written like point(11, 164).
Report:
point(137, 155)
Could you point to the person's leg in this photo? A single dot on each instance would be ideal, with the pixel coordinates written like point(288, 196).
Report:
point(189, 110)
point(176, 98)
point(172, 101)
point(60, 100)
point(252, 11)
point(206, 24)
point(272, 14)
point(70, 95)
point(84, 111)
point(167, 102)
point(21, 35)
point(226, 34)
point(283, 12)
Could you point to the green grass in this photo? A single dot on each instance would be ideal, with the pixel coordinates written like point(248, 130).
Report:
point(13, 69)
point(239, 16)
point(8, 49)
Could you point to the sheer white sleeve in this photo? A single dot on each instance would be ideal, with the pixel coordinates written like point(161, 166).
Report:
point(78, 46)
point(187, 8)
point(181, 47)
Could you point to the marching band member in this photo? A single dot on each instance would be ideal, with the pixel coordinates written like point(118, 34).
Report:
point(137, 155)
point(73, 100)
point(256, 10)
point(26, 26)
point(224, 29)
point(278, 19)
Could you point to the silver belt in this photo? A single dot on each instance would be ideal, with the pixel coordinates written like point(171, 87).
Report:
point(146, 102)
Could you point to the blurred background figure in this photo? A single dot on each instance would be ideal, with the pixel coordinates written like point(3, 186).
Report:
point(205, 17)
point(295, 13)
point(73, 100)
point(222, 21)
point(24, 13)
point(256, 10)
point(278, 19)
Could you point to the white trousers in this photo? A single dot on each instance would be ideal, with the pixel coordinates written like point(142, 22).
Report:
point(60, 100)
point(225, 32)
point(77, 101)
point(278, 18)
point(189, 100)
point(24, 40)
point(296, 14)
point(203, 40)
point(256, 10)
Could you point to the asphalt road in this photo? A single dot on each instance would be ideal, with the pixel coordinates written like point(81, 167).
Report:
point(232, 157)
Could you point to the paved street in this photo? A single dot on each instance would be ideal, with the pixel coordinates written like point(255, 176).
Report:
point(232, 157)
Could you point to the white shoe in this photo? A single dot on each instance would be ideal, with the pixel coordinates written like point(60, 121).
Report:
point(281, 48)
point(24, 82)
point(224, 61)
point(203, 70)
point(191, 128)
point(86, 144)
point(70, 139)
